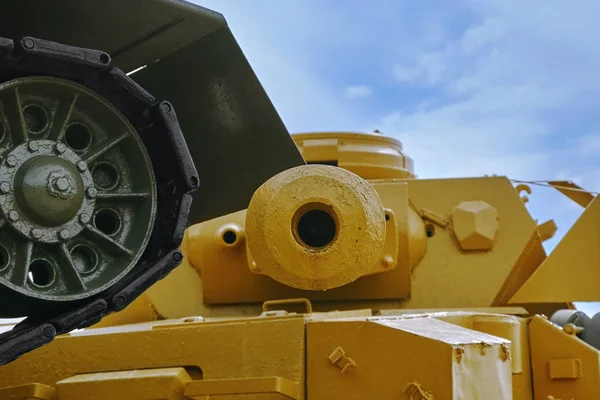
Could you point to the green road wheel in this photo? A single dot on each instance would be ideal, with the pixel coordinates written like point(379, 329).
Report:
point(77, 190)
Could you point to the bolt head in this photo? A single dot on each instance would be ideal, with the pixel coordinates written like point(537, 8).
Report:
point(4, 187)
point(81, 166)
point(11, 161)
point(63, 234)
point(62, 184)
point(60, 148)
point(36, 233)
point(33, 146)
point(84, 218)
point(13, 216)
point(91, 192)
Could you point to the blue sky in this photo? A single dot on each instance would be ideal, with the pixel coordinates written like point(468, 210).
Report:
point(472, 88)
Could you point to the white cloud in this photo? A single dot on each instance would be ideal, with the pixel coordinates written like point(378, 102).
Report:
point(403, 73)
point(429, 70)
point(504, 93)
point(357, 92)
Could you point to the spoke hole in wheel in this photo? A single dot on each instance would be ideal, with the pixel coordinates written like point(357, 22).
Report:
point(78, 137)
point(107, 221)
point(105, 175)
point(35, 118)
point(4, 257)
point(84, 258)
point(41, 273)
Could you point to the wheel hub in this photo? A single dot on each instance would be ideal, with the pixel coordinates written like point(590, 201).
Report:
point(46, 191)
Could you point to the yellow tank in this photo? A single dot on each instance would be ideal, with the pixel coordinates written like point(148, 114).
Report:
point(313, 267)
point(349, 278)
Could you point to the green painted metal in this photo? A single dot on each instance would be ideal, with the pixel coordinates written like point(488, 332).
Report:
point(77, 190)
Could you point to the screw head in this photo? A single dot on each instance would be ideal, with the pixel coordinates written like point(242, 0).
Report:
point(166, 107)
point(63, 234)
point(60, 148)
point(91, 192)
point(33, 146)
point(11, 161)
point(4, 187)
point(84, 218)
point(13, 216)
point(81, 166)
point(36, 233)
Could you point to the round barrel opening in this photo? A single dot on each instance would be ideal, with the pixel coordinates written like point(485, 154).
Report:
point(315, 226)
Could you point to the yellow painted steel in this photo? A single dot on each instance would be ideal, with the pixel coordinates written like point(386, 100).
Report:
point(572, 271)
point(354, 282)
point(314, 228)
point(369, 155)
point(564, 367)
point(429, 267)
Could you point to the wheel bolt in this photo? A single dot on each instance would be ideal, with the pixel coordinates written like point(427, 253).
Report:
point(33, 146)
point(13, 216)
point(84, 218)
point(91, 193)
point(81, 166)
point(11, 161)
point(4, 187)
point(60, 148)
point(36, 233)
point(63, 234)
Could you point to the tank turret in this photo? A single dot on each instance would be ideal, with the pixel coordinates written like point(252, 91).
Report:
point(370, 236)
point(369, 155)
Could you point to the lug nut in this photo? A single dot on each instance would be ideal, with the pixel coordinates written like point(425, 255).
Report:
point(60, 148)
point(84, 218)
point(62, 184)
point(36, 233)
point(91, 192)
point(11, 161)
point(63, 234)
point(13, 216)
point(33, 146)
point(81, 166)
point(4, 187)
